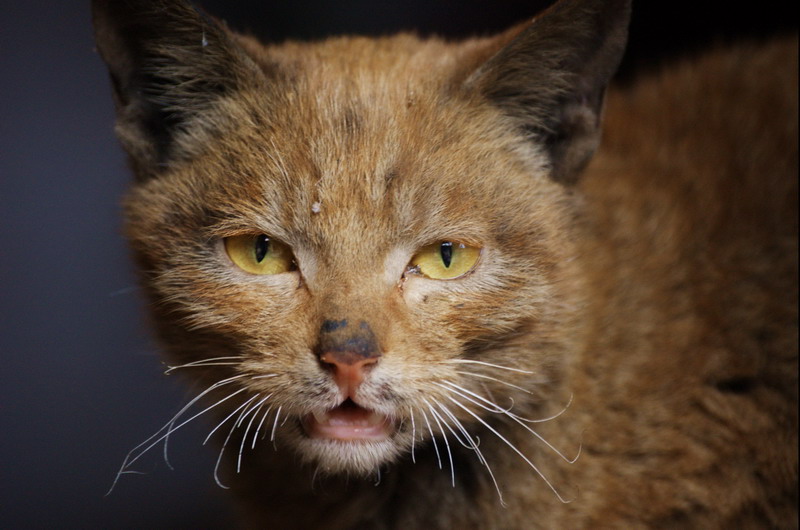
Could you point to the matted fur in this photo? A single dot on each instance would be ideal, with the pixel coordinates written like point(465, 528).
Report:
point(647, 314)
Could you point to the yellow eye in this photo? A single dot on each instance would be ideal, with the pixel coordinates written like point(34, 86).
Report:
point(259, 254)
point(445, 260)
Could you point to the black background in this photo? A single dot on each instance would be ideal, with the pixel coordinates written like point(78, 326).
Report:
point(80, 380)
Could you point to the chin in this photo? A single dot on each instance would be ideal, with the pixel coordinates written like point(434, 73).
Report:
point(348, 457)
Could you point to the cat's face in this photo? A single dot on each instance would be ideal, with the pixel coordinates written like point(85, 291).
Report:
point(349, 197)
point(358, 245)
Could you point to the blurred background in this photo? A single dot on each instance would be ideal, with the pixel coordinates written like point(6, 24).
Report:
point(80, 380)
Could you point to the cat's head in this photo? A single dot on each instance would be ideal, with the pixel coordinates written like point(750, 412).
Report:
point(358, 244)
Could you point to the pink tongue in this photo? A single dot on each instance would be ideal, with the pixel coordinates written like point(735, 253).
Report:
point(348, 422)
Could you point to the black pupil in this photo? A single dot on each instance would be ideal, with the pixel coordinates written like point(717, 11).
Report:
point(262, 247)
point(447, 253)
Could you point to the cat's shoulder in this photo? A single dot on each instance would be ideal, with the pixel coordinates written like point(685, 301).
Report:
point(692, 205)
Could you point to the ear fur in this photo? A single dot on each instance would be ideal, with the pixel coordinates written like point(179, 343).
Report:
point(551, 78)
point(169, 63)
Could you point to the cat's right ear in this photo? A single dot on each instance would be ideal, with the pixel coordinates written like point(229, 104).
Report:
point(169, 64)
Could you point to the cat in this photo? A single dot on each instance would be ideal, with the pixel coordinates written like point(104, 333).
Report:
point(411, 295)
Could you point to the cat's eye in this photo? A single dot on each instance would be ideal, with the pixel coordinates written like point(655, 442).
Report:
point(445, 260)
point(259, 254)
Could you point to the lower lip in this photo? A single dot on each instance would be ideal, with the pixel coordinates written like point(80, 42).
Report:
point(348, 424)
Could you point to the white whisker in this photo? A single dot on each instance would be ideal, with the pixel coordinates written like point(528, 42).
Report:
point(124, 290)
point(433, 438)
point(170, 427)
point(255, 410)
point(229, 416)
point(469, 444)
point(492, 407)
point(474, 445)
point(549, 418)
point(513, 448)
point(446, 442)
point(219, 459)
point(413, 435)
point(215, 361)
point(242, 415)
point(494, 379)
point(488, 392)
point(513, 417)
point(484, 363)
point(260, 424)
point(275, 425)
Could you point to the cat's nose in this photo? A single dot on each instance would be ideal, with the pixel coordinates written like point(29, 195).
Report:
point(349, 350)
point(347, 372)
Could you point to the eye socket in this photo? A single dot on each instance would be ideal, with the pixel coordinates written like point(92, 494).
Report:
point(445, 260)
point(259, 254)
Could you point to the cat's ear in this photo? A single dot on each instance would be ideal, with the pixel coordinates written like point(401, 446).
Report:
point(169, 64)
point(550, 77)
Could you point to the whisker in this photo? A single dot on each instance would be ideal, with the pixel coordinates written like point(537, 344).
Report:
point(492, 407)
point(548, 444)
point(484, 363)
point(242, 415)
point(468, 444)
point(124, 290)
point(219, 459)
point(275, 425)
point(494, 379)
point(215, 361)
point(478, 452)
point(446, 442)
point(265, 376)
point(255, 410)
point(413, 435)
point(433, 438)
point(490, 395)
point(454, 433)
point(513, 448)
point(263, 418)
point(229, 416)
point(516, 419)
point(554, 416)
point(170, 427)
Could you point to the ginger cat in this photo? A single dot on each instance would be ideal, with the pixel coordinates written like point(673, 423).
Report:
point(406, 300)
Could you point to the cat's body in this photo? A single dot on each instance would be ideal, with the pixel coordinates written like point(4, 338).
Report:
point(651, 307)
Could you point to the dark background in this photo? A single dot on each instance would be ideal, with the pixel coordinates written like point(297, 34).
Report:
point(80, 380)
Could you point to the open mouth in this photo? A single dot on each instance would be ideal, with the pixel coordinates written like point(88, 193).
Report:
point(348, 422)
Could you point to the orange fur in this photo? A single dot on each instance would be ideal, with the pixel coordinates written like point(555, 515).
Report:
point(658, 294)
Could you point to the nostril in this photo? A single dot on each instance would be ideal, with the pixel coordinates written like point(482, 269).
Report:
point(347, 374)
point(346, 360)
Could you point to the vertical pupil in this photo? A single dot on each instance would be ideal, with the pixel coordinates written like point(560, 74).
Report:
point(446, 251)
point(262, 247)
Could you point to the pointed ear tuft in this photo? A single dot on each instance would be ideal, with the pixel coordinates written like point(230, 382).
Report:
point(551, 77)
point(168, 63)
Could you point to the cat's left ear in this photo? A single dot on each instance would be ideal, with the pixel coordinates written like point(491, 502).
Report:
point(550, 77)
